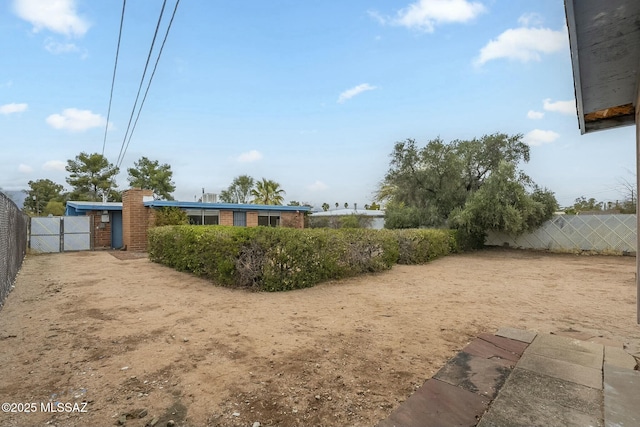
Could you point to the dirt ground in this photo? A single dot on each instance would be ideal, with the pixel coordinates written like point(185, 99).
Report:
point(138, 342)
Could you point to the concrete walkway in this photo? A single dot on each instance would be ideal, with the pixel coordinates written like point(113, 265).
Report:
point(519, 378)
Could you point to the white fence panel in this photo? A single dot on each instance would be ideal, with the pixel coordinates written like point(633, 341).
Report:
point(45, 234)
point(55, 234)
point(576, 232)
point(77, 236)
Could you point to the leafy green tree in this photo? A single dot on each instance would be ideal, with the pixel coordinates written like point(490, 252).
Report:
point(582, 204)
point(40, 193)
point(399, 215)
point(54, 208)
point(171, 215)
point(92, 178)
point(504, 203)
point(267, 192)
point(239, 190)
point(150, 175)
point(442, 184)
point(294, 203)
point(325, 206)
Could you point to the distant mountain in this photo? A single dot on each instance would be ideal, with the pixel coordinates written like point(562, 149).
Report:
point(17, 196)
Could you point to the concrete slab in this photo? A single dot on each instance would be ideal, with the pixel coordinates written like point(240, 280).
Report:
point(474, 374)
point(561, 369)
point(532, 399)
point(487, 350)
point(588, 360)
point(615, 356)
point(565, 343)
point(516, 334)
point(607, 342)
point(574, 334)
point(438, 404)
point(621, 397)
point(513, 346)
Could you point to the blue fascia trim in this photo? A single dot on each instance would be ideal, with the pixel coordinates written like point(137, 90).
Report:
point(91, 207)
point(225, 206)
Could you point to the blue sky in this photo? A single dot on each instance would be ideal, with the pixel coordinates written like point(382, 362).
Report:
point(310, 94)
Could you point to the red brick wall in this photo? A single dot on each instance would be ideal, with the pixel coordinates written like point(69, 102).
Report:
point(136, 219)
point(292, 219)
point(226, 217)
point(252, 219)
point(101, 231)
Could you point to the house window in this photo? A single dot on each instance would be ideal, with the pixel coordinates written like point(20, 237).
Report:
point(269, 219)
point(203, 216)
point(240, 219)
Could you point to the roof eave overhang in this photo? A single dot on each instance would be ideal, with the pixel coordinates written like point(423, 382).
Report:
point(611, 110)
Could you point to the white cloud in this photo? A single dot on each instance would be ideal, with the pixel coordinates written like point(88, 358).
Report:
point(59, 16)
point(25, 168)
point(378, 17)
point(535, 115)
point(13, 108)
point(54, 165)
point(250, 156)
point(75, 120)
point(57, 48)
point(523, 44)
point(564, 107)
point(540, 137)
point(350, 93)
point(530, 19)
point(424, 15)
point(318, 186)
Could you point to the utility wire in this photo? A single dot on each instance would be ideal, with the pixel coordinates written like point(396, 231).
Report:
point(155, 34)
point(113, 79)
point(166, 34)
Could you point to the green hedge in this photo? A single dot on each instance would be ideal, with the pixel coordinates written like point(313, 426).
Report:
point(278, 259)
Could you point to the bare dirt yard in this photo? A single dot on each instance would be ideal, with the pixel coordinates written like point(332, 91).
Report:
point(138, 342)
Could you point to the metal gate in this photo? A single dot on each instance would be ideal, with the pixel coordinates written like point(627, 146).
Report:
point(60, 234)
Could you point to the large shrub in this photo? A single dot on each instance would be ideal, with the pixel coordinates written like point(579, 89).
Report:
point(418, 246)
point(276, 259)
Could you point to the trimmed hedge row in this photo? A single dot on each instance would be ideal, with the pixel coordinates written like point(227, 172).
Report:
point(278, 259)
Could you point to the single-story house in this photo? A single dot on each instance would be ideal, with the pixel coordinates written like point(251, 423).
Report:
point(247, 215)
point(124, 225)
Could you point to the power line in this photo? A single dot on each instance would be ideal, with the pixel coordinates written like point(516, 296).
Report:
point(113, 79)
point(150, 80)
point(155, 34)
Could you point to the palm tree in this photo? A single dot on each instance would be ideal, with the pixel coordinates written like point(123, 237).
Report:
point(325, 206)
point(267, 192)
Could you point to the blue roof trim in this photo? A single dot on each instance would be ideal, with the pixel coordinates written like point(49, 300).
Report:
point(227, 206)
point(95, 206)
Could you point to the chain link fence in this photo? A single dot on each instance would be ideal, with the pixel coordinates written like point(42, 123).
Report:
point(599, 233)
point(13, 243)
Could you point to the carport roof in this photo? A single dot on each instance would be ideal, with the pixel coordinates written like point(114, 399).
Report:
point(95, 206)
point(604, 37)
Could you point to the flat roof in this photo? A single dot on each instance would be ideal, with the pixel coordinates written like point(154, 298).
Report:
point(95, 206)
point(227, 206)
point(345, 212)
